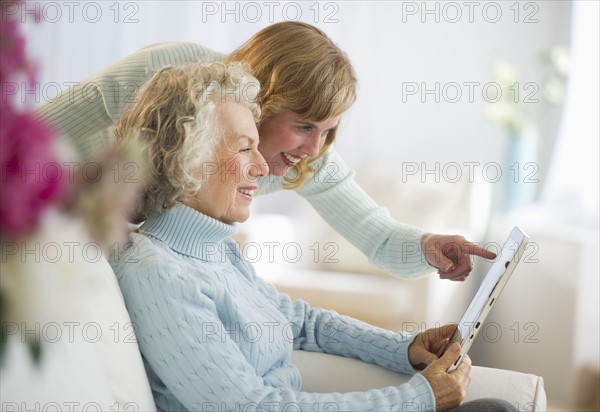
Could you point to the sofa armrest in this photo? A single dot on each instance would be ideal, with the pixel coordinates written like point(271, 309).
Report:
point(329, 373)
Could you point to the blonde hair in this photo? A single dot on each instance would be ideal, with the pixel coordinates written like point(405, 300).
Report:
point(174, 120)
point(300, 70)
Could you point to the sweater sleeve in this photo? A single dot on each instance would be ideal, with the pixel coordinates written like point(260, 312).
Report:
point(320, 330)
point(336, 196)
point(85, 113)
point(205, 370)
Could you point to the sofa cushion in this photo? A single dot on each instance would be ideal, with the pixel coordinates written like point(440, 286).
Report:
point(329, 373)
point(118, 348)
point(65, 289)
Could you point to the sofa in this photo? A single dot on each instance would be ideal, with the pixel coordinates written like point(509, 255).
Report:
point(91, 361)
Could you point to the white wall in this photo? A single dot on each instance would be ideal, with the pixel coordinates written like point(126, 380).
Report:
point(392, 44)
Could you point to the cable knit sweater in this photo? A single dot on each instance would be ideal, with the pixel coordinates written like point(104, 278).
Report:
point(86, 113)
point(214, 336)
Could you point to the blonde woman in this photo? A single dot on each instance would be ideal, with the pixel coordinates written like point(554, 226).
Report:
point(308, 84)
point(213, 335)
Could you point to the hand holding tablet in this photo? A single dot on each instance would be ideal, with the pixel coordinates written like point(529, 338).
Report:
point(448, 387)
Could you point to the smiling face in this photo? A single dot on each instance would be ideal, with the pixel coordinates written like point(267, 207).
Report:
point(286, 138)
point(229, 180)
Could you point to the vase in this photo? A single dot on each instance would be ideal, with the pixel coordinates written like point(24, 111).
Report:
point(521, 171)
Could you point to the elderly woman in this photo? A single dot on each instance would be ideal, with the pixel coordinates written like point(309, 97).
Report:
point(213, 335)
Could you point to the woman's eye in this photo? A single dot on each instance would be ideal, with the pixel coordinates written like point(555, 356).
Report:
point(246, 150)
point(305, 129)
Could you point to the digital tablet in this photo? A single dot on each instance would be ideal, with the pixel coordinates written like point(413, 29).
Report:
point(494, 281)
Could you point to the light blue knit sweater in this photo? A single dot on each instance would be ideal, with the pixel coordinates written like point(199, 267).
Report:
point(214, 336)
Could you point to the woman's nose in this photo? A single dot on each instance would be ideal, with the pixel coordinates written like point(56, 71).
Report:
point(260, 166)
point(312, 146)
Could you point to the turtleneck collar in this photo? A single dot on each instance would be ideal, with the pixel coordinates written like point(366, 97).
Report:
point(189, 232)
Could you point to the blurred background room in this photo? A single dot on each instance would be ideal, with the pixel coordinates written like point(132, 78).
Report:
point(471, 118)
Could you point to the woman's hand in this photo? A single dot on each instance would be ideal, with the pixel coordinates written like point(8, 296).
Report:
point(451, 254)
point(449, 388)
point(428, 345)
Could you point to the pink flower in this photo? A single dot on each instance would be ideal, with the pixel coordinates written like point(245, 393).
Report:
point(32, 178)
point(30, 175)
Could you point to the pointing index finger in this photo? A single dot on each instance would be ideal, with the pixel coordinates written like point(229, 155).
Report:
point(476, 250)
